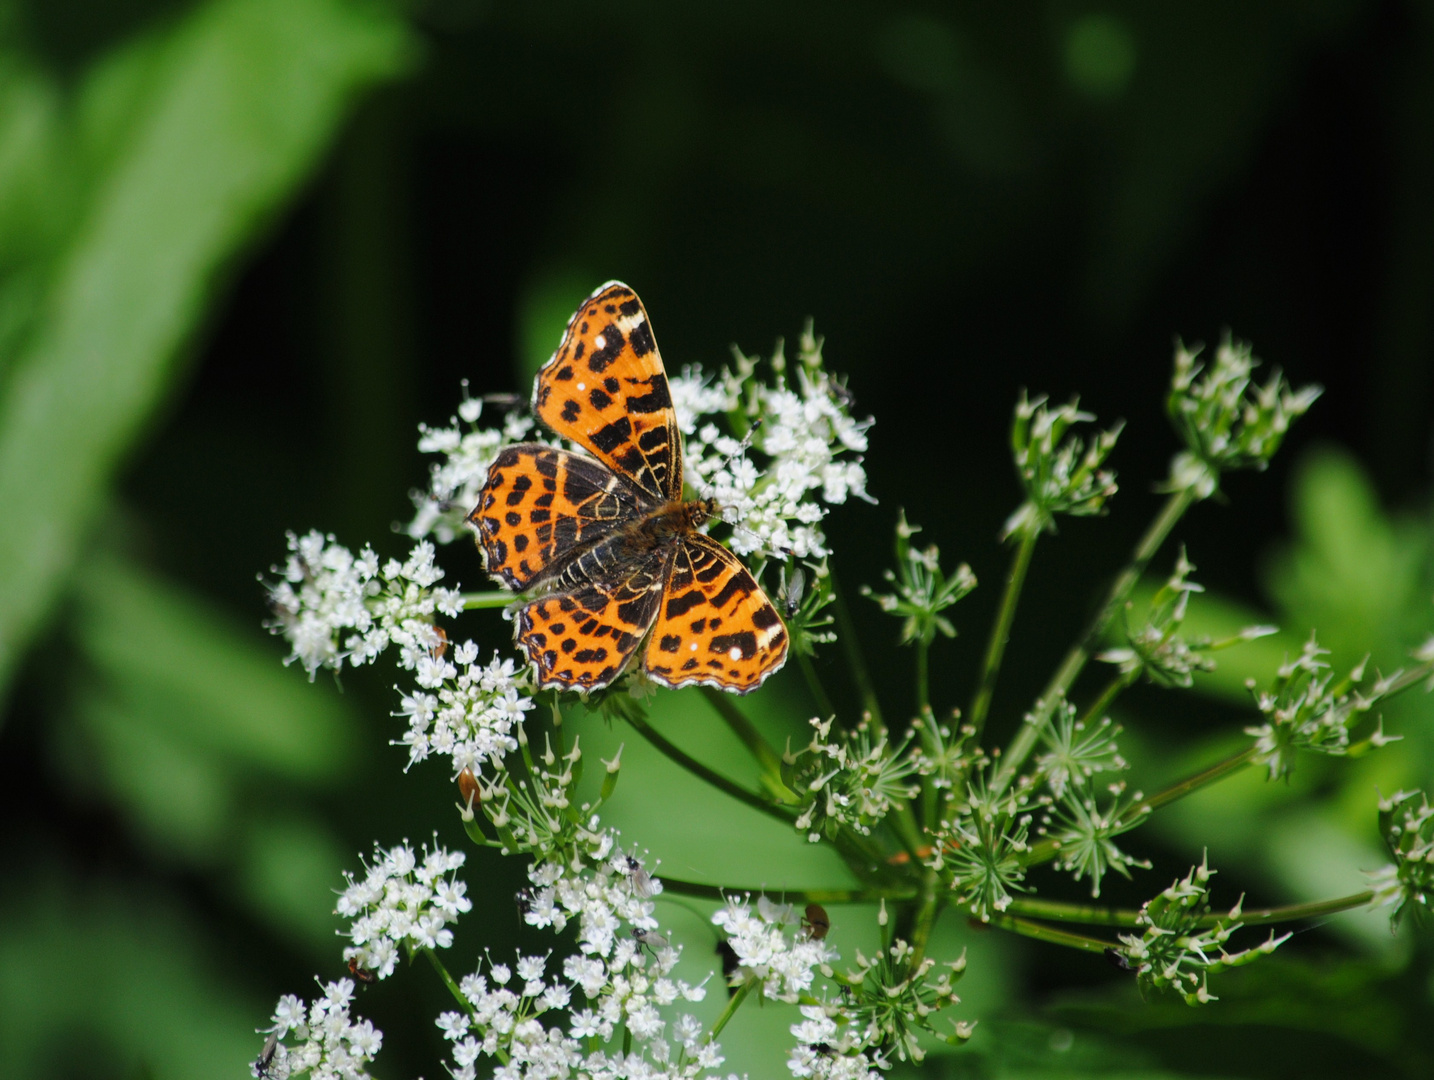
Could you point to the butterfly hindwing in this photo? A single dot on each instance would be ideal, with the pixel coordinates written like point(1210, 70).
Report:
point(583, 639)
point(605, 388)
point(541, 506)
point(717, 626)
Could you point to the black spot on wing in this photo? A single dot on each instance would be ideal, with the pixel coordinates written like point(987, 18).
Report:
point(571, 411)
point(641, 339)
point(744, 641)
point(656, 399)
point(737, 583)
point(612, 344)
point(609, 438)
point(678, 606)
point(599, 398)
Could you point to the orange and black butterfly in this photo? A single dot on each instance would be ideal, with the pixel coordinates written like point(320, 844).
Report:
point(613, 551)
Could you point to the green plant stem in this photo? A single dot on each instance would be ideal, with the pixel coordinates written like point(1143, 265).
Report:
point(820, 896)
point(1050, 934)
point(478, 601)
point(702, 772)
point(463, 1002)
point(744, 729)
point(930, 907)
point(923, 677)
point(1201, 779)
point(846, 630)
point(1001, 632)
point(1075, 660)
point(1113, 690)
point(814, 686)
point(733, 1004)
point(1093, 915)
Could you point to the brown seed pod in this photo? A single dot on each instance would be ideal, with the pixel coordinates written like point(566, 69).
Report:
point(815, 922)
point(468, 788)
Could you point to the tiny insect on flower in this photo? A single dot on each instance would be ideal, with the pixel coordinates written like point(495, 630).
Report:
point(638, 879)
point(816, 923)
point(362, 974)
point(266, 1056)
point(525, 899)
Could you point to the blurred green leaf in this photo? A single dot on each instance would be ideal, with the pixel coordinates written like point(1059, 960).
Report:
point(99, 982)
point(209, 683)
point(182, 713)
point(290, 868)
point(234, 107)
point(1351, 572)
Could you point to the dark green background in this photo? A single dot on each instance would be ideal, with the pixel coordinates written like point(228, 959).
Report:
point(246, 246)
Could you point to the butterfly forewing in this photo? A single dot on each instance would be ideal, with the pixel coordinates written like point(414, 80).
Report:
point(541, 506)
point(716, 625)
point(605, 388)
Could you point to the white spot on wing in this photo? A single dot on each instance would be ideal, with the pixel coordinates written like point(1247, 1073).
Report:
point(735, 653)
point(582, 386)
point(600, 342)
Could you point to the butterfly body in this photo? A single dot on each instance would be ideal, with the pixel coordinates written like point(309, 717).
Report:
point(612, 551)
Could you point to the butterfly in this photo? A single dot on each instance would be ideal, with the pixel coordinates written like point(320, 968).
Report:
point(612, 551)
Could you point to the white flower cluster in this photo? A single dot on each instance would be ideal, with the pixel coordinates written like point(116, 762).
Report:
point(331, 1045)
point(402, 900)
point(771, 946)
point(334, 606)
point(468, 451)
point(465, 710)
point(828, 1051)
point(622, 972)
point(806, 433)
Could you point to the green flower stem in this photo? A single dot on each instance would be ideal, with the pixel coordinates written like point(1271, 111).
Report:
point(1205, 777)
point(1113, 690)
point(702, 772)
point(926, 914)
point(1050, 934)
point(463, 1002)
point(477, 601)
point(1092, 915)
point(814, 686)
point(820, 896)
point(1075, 660)
point(846, 630)
point(733, 1004)
point(1046, 850)
point(923, 677)
point(744, 729)
point(1315, 909)
point(1001, 632)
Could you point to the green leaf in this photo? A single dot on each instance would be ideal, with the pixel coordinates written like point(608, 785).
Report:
point(180, 714)
point(235, 107)
point(96, 980)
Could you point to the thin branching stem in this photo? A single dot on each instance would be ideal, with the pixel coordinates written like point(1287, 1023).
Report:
point(846, 630)
point(815, 688)
point(923, 677)
point(483, 600)
point(1075, 660)
point(1001, 632)
point(753, 740)
point(731, 1010)
point(1050, 934)
point(702, 772)
point(1094, 915)
point(1113, 690)
point(820, 896)
point(930, 908)
point(463, 1002)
